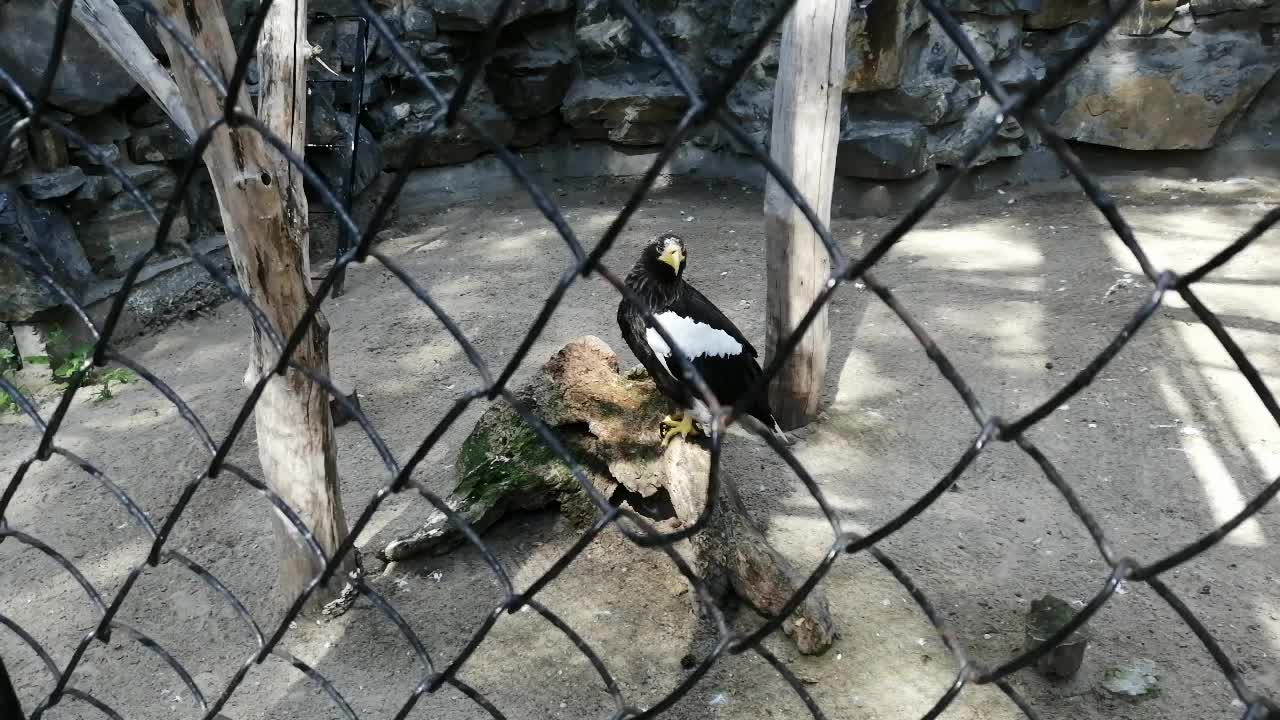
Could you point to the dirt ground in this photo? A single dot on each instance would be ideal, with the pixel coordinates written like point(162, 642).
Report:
point(1020, 288)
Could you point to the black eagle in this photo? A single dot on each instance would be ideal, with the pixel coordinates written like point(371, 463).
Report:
point(713, 344)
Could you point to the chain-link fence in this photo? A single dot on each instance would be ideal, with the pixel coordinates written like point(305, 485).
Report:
point(707, 105)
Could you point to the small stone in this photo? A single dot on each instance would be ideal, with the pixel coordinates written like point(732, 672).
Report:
point(52, 184)
point(1205, 590)
point(96, 155)
point(162, 143)
point(1137, 679)
point(147, 115)
point(1046, 617)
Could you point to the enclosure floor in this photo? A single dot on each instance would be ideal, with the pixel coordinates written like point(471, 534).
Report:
point(1020, 289)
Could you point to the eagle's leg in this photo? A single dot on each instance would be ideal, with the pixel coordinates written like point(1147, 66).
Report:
point(683, 427)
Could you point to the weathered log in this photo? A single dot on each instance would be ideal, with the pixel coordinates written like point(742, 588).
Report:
point(611, 423)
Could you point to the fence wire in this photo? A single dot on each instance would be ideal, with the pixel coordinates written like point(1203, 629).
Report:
point(705, 108)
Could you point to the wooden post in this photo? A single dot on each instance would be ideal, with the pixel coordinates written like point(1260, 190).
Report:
point(260, 205)
point(804, 135)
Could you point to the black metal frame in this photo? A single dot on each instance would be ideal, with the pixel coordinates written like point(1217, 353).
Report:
point(353, 140)
point(708, 107)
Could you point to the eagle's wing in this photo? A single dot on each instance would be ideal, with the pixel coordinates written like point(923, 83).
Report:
point(698, 307)
point(634, 329)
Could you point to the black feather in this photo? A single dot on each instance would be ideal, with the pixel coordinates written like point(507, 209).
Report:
point(662, 288)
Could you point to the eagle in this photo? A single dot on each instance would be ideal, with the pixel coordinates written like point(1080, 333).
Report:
point(710, 341)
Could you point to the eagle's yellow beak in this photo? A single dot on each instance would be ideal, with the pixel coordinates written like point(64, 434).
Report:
point(673, 257)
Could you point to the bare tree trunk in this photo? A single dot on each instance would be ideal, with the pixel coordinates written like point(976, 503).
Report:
point(805, 132)
point(260, 208)
point(283, 51)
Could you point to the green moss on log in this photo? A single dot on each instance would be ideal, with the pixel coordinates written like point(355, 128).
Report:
point(503, 458)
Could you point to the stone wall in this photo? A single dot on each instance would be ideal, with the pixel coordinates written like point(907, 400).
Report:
point(1176, 75)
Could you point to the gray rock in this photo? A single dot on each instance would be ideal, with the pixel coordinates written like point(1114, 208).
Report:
point(102, 129)
point(1046, 617)
point(96, 191)
point(1022, 72)
point(995, 38)
point(347, 42)
point(1213, 7)
point(875, 55)
point(623, 109)
point(930, 54)
point(474, 15)
point(49, 184)
point(998, 7)
point(1132, 680)
point(141, 175)
point(1148, 17)
point(121, 232)
point(881, 150)
point(1175, 92)
point(927, 101)
point(949, 144)
point(41, 233)
point(48, 148)
point(332, 164)
point(598, 32)
point(1058, 13)
point(531, 79)
point(88, 79)
point(162, 143)
point(96, 155)
point(147, 115)
point(417, 22)
point(445, 145)
point(536, 131)
point(1183, 21)
point(960, 100)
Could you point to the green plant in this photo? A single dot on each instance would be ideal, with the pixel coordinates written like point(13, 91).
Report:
point(8, 365)
point(77, 358)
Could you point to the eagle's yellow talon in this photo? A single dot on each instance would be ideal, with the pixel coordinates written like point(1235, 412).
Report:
point(683, 427)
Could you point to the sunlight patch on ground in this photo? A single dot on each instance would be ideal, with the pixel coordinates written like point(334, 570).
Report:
point(1221, 490)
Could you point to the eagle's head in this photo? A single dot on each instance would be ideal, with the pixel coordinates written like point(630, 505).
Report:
point(665, 256)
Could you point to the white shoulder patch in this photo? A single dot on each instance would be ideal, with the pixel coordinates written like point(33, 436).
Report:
point(696, 339)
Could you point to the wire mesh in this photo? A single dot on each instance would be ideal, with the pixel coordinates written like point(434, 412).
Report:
point(704, 108)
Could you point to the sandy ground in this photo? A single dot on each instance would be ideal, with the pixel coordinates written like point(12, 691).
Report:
point(1021, 289)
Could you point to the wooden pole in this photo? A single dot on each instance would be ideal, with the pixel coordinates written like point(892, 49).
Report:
point(260, 206)
point(805, 132)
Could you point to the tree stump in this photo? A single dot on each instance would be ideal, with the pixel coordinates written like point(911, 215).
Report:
point(610, 422)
